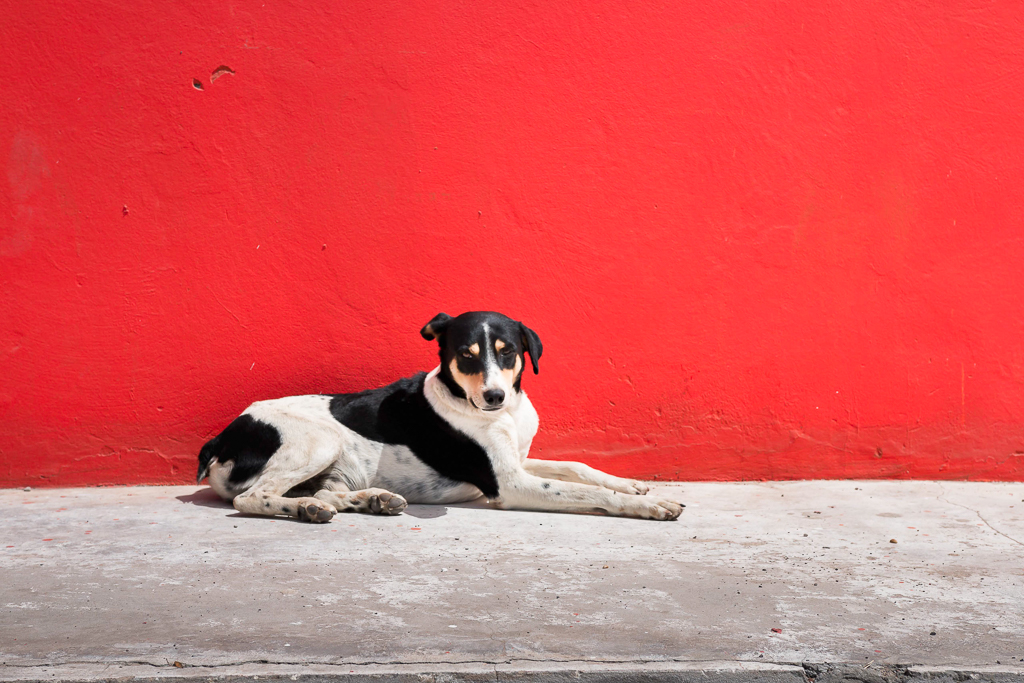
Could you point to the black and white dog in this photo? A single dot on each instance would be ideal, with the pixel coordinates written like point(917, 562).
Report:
point(451, 435)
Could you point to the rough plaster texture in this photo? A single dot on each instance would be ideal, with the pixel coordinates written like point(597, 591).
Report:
point(759, 239)
point(126, 581)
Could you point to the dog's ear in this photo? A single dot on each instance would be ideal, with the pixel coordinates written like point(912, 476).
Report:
point(532, 344)
point(436, 327)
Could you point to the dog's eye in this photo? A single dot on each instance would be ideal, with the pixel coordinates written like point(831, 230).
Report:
point(466, 354)
point(507, 351)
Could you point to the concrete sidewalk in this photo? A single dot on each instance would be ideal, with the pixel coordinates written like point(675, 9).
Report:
point(773, 581)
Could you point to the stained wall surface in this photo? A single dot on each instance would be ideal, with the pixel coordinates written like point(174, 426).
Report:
point(758, 239)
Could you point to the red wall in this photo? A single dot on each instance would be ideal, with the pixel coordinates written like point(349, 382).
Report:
point(758, 239)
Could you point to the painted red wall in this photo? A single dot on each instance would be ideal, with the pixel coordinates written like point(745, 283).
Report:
point(758, 239)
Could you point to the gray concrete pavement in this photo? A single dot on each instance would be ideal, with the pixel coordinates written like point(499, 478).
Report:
point(765, 581)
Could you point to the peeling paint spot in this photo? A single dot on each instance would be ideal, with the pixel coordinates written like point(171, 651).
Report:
point(196, 84)
point(220, 71)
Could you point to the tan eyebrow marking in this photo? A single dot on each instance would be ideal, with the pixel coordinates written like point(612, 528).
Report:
point(475, 349)
point(498, 345)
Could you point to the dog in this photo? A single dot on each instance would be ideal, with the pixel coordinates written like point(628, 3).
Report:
point(461, 431)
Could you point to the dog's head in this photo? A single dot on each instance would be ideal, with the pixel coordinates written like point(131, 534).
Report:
point(482, 355)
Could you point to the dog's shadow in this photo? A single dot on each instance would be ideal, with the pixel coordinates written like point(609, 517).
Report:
point(433, 511)
point(208, 498)
point(426, 511)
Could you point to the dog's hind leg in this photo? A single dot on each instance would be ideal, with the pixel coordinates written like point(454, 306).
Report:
point(583, 474)
point(377, 501)
point(289, 467)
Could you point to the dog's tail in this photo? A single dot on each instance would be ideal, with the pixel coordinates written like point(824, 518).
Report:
point(207, 454)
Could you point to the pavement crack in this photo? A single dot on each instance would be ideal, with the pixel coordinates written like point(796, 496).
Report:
point(848, 673)
point(370, 662)
point(984, 521)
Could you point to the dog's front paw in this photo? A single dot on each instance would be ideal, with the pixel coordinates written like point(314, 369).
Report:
point(637, 488)
point(664, 510)
point(316, 511)
point(387, 503)
point(628, 486)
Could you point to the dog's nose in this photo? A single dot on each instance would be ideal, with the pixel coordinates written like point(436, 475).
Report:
point(494, 396)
